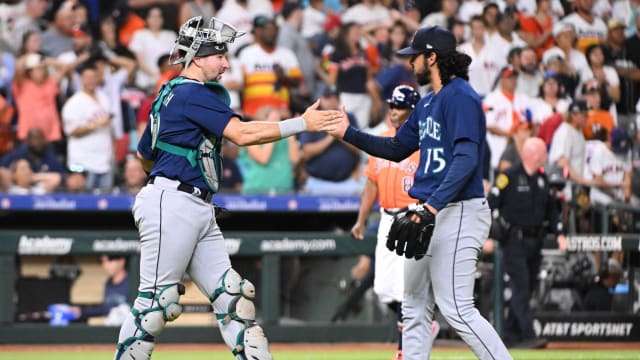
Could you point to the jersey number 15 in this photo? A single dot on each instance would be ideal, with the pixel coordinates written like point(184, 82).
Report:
point(435, 156)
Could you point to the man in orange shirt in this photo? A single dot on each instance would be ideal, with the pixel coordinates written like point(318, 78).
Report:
point(389, 183)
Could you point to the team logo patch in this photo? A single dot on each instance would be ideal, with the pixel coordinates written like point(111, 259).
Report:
point(502, 181)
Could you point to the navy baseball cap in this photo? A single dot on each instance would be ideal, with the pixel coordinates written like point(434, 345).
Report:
point(404, 97)
point(578, 105)
point(431, 38)
point(620, 141)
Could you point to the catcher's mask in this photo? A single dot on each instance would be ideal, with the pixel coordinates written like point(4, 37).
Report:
point(196, 40)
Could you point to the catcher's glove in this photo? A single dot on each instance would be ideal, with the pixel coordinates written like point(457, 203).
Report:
point(411, 231)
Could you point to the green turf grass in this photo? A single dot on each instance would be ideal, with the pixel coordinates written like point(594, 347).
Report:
point(341, 355)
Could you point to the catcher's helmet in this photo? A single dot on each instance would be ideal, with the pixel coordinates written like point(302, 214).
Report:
point(404, 96)
point(195, 40)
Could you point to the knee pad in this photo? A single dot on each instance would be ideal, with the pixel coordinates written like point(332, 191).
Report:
point(151, 322)
point(241, 307)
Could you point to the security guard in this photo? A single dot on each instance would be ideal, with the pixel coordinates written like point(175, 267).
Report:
point(524, 210)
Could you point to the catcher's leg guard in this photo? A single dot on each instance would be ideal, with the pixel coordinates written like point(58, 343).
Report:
point(250, 341)
point(151, 322)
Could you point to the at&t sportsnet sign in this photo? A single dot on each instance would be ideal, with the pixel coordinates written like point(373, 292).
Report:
point(588, 327)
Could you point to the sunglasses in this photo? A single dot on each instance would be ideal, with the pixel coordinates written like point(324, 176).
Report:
point(394, 106)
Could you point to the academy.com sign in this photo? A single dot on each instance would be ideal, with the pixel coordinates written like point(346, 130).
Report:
point(298, 245)
point(44, 245)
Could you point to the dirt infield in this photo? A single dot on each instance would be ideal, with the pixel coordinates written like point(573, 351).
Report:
point(311, 347)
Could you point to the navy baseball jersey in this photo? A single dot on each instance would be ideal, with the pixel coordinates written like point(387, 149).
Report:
point(435, 125)
point(185, 116)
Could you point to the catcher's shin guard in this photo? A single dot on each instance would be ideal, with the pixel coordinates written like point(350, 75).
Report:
point(151, 322)
point(236, 295)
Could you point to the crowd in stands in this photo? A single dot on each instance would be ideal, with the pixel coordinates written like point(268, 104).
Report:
point(77, 78)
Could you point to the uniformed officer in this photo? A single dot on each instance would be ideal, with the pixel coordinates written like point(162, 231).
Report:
point(524, 210)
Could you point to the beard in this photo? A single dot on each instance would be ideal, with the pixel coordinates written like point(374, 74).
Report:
point(424, 77)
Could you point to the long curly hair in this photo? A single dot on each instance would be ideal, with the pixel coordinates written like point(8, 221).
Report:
point(452, 62)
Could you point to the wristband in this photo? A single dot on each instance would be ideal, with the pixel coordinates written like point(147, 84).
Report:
point(292, 126)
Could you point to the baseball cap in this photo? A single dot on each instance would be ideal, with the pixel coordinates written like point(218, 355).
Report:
point(508, 71)
point(578, 105)
point(562, 26)
point(614, 23)
point(551, 55)
point(404, 96)
point(431, 38)
point(331, 22)
point(80, 30)
point(261, 21)
point(620, 141)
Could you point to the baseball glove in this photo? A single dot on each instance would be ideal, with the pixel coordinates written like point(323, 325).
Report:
point(411, 231)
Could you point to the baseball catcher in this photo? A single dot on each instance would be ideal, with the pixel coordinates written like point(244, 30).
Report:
point(411, 231)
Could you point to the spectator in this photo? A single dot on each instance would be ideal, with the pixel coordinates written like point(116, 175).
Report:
point(503, 108)
point(109, 41)
point(589, 28)
point(40, 156)
point(58, 39)
point(607, 79)
point(536, 30)
point(134, 176)
point(490, 14)
point(350, 67)
point(322, 46)
point(505, 38)
point(575, 63)
point(269, 70)
point(193, 8)
point(329, 163)
point(87, 123)
point(80, 14)
point(82, 50)
point(629, 72)
point(313, 19)
point(76, 180)
point(30, 21)
point(529, 75)
point(243, 13)
point(484, 65)
point(148, 45)
point(608, 165)
point(168, 71)
point(6, 128)
point(552, 98)
point(368, 13)
point(35, 92)
point(443, 18)
point(568, 146)
point(598, 118)
point(26, 182)
point(289, 37)
point(268, 168)
point(31, 44)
